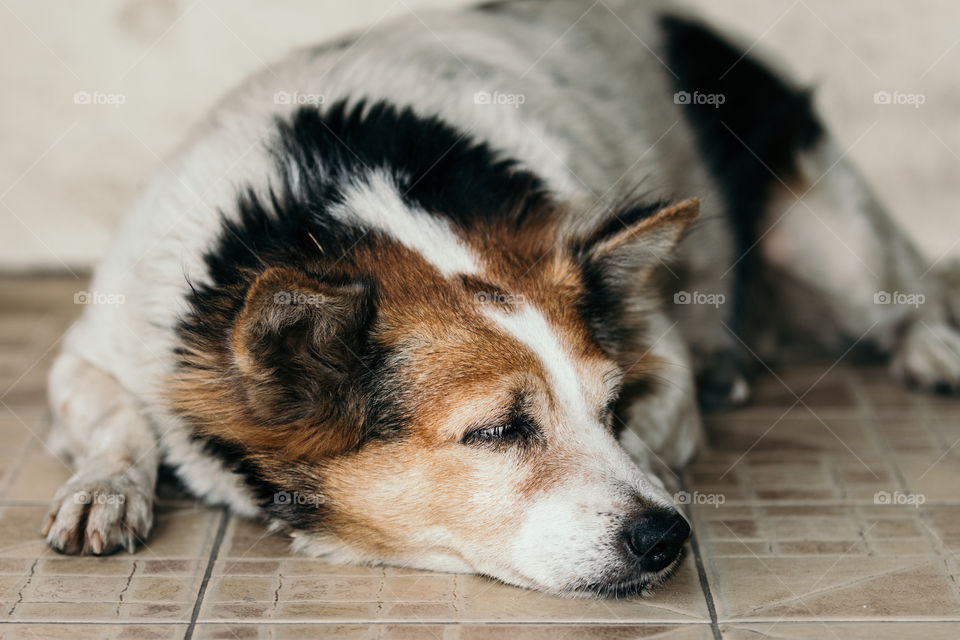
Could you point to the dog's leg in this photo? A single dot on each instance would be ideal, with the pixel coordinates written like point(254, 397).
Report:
point(705, 308)
point(108, 503)
point(661, 423)
point(840, 244)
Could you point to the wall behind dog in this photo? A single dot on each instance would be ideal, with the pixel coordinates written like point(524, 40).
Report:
point(96, 94)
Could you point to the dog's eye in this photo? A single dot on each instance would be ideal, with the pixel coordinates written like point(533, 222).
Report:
point(517, 429)
point(606, 414)
point(491, 433)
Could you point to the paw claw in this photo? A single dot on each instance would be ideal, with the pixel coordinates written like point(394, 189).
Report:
point(96, 543)
point(45, 529)
point(93, 515)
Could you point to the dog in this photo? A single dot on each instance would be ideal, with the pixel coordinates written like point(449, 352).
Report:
point(438, 295)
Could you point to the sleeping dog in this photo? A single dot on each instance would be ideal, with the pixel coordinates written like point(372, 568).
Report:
point(439, 296)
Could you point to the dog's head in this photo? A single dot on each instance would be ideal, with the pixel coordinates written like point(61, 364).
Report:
point(442, 394)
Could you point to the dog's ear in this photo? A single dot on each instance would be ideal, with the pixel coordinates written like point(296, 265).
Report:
point(618, 259)
point(297, 343)
point(630, 244)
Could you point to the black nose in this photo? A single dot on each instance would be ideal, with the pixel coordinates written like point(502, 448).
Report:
point(656, 537)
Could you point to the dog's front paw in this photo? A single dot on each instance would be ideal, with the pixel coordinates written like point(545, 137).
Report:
point(721, 382)
point(99, 515)
point(928, 357)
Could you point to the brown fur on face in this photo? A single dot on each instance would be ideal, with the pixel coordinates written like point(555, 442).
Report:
point(356, 381)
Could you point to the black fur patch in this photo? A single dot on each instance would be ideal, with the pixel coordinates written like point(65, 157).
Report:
point(760, 127)
point(289, 502)
point(602, 306)
point(436, 166)
point(602, 309)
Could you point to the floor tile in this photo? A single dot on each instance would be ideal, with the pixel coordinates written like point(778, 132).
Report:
point(797, 434)
point(943, 524)
point(681, 599)
point(39, 585)
point(211, 631)
point(62, 631)
point(249, 540)
point(932, 478)
point(841, 631)
point(38, 477)
point(832, 588)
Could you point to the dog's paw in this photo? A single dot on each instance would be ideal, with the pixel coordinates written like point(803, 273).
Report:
point(928, 357)
point(99, 515)
point(721, 382)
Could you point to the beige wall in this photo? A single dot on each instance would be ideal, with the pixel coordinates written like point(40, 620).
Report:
point(68, 170)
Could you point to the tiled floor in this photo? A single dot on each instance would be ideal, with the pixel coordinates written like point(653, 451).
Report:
point(805, 514)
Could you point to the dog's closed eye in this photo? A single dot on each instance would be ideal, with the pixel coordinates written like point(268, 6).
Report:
point(517, 429)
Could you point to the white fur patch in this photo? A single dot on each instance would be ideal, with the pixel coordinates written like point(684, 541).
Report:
point(530, 328)
point(375, 203)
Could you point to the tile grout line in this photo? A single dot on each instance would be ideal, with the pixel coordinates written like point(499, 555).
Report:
point(214, 553)
point(867, 414)
point(705, 587)
point(702, 573)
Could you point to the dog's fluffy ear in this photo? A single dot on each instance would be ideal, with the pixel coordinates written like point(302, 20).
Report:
point(297, 341)
point(632, 243)
point(618, 259)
